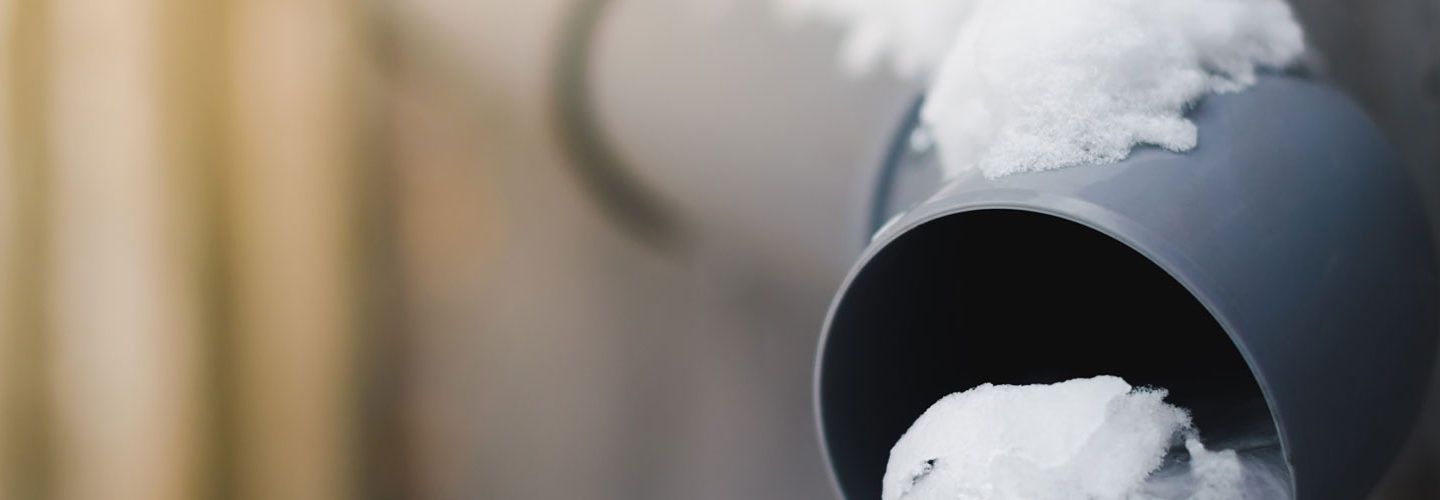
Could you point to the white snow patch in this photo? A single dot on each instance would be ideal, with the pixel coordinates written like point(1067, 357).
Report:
point(1025, 85)
point(1083, 439)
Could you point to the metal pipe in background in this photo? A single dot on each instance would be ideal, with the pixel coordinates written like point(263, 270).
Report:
point(736, 123)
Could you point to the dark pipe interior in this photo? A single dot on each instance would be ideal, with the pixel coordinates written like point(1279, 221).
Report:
point(1014, 297)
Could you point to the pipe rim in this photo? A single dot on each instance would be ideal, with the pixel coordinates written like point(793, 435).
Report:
point(1090, 215)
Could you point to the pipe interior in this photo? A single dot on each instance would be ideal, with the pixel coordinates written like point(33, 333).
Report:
point(1016, 297)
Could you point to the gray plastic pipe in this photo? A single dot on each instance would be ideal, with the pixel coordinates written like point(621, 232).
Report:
point(1278, 280)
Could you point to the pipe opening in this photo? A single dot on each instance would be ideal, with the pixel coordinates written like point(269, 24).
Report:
point(1017, 297)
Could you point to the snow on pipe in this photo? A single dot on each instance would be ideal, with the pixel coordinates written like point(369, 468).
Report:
point(1277, 280)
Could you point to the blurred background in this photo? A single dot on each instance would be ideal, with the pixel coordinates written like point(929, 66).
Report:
point(445, 249)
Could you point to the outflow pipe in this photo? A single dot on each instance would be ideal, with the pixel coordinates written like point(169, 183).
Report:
point(1279, 280)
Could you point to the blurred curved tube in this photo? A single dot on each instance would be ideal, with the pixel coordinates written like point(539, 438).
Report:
point(744, 124)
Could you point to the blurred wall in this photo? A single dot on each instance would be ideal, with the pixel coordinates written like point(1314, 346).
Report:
point(183, 291)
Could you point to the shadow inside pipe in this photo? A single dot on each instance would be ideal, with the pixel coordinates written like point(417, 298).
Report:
point(1017, 297)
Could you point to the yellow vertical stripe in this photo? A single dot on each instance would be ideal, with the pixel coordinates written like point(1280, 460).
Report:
point(9, 262)
point(25, 453)
point(122, 307)
point(292, 189)
point(180, 184)
point(195, 75)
